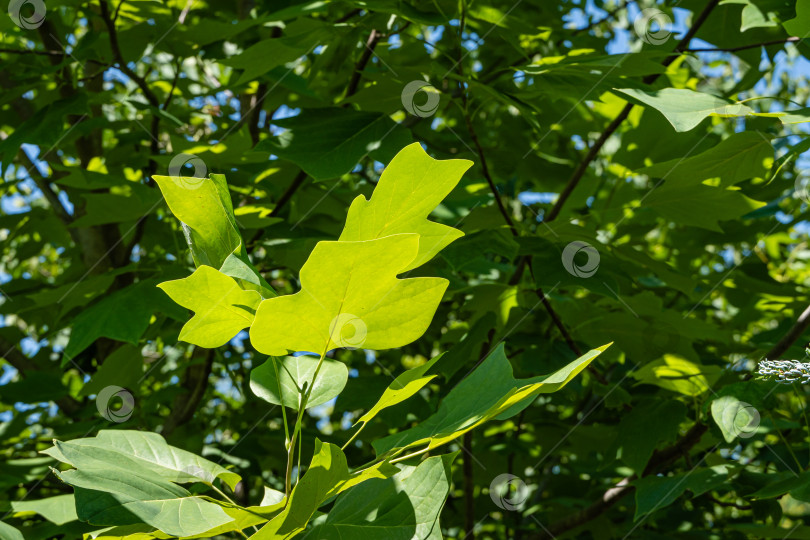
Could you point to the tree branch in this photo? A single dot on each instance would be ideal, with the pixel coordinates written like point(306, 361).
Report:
point(795, 332)
point(371, 43)
point(663, 458)
point(745, 47)
point(658, 461)
point(122, 65)
point(354, 82)
point(195, 383)
point(579, 172)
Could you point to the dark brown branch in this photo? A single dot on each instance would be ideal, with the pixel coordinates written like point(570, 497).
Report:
point(349, 15)
point(170, 95)
point(525, 260)
point(659, 461)
point(282, 202)
point(728, 504)
point(795, 332)
point(122, 65)
point(118, 10)
point(354, 82)
point(579, 172)
point(745, 47)
point(663, 458)
point(487, 175)
point(195, 383)
point(289, 192)
point(371, 43)
point(32, 51)
point(255, 112)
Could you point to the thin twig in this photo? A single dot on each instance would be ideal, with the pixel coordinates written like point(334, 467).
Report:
point(579, 172)
point(745, 47)
point(122, 65)
point(371, 43)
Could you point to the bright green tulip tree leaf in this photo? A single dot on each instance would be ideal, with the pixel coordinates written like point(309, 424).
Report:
point(327, 476)
point(204, 206)
point(351, 297)
point(142, 450)
point(111, 496)
point(684, 108)
point(404, 506)
point(281, 380)
point(221, 307)
point(403, 387)
point(409, 189)
point(490, 391)
point(327, 470)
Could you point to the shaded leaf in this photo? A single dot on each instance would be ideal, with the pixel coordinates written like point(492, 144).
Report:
point(404, 506)
point(684, 108)
point(282, 380)
point(329, 142)
point(488, 392)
